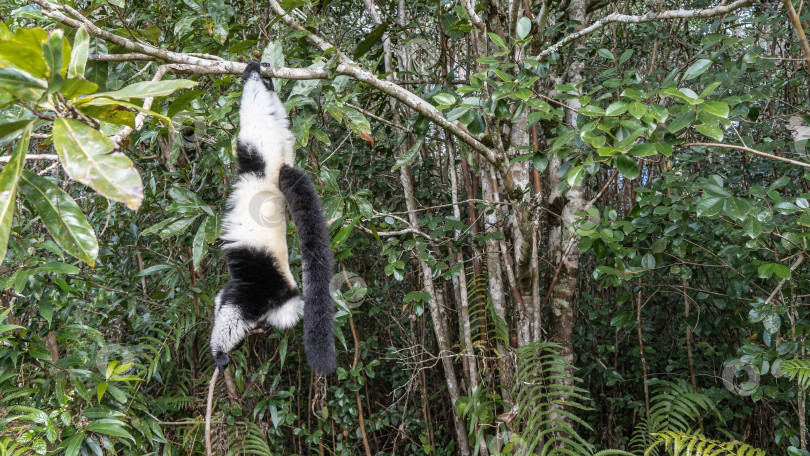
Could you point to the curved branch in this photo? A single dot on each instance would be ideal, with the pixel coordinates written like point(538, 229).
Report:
point(189, 64)
point(649, 17)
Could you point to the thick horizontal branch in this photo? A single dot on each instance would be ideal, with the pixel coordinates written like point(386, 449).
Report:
point(649, 17)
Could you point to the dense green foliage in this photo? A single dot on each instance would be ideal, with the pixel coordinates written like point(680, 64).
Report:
point(688, 322)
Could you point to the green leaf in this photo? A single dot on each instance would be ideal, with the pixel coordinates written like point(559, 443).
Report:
point(604, 53)
point(79, 54)
point(73, 444)
point(625, 56)
point(52, 51)
point(24, 52)
point(711, 131)
point(374, 36)
point(9, 179)
point(752, 227)
point(14, 79)
point(87, 157)
point(642, 150)
point(497, 39)
point(637, 109)
point(444, 99)
point(768, 269)
point(681, 121)
point(410, 155)
point(697, 69)
point(576, 175)
point(737, 207)
point(147, 89)
point(716, 108)
point(627, 166)
point(708, 207)
point(61, 216)
point(114, 430)
point(198, 245)
point(101, 388)
point(358, 123)
point(616, 109)
point(524, 26)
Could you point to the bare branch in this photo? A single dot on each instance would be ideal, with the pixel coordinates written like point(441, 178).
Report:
point(649, 17)
point(469, 8)
point(190, 64)
point(52, 157)
point(413, 101)
point(797, 24)
point(753, 151)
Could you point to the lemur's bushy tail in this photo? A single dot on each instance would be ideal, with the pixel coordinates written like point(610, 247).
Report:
point(316, 256)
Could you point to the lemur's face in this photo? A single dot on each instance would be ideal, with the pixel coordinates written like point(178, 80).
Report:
point(254, 71)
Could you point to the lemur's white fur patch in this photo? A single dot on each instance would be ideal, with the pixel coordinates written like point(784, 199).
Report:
point(287, 315)
point(256, 215)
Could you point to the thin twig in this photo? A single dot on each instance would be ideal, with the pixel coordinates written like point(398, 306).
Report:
point(208, 407)
point(750, 150)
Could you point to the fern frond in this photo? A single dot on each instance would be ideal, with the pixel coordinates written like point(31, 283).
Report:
point(799, 370)
point(546, 398)
point(673, 407)
point(677, 443)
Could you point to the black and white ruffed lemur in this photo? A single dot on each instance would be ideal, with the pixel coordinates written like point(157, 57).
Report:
point(262, 291)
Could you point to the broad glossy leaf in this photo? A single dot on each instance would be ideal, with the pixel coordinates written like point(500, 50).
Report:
point(52, 51)
point(109, 429)
point(76, 87)
point(88, 101)
point(697, 69)
point(24, 52)
point(87, 157)
point(13, 78)
point(79, 54)
point(62, 217)
point(9, 179)
point(524, 26)
point(711, 131)
point(737, 207)
point(627, 166)
point(147, 89)
point(717, 108)
point(73, 445)
point(576, 175)
point(708, 207)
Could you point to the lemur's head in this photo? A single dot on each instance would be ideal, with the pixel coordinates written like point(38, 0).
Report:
point(254, 71)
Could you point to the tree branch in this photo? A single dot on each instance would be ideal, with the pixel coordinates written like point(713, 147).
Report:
point(750, 150)
point(190, 64)
point(649, 17)
point(797, 24)
point(413, 101)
